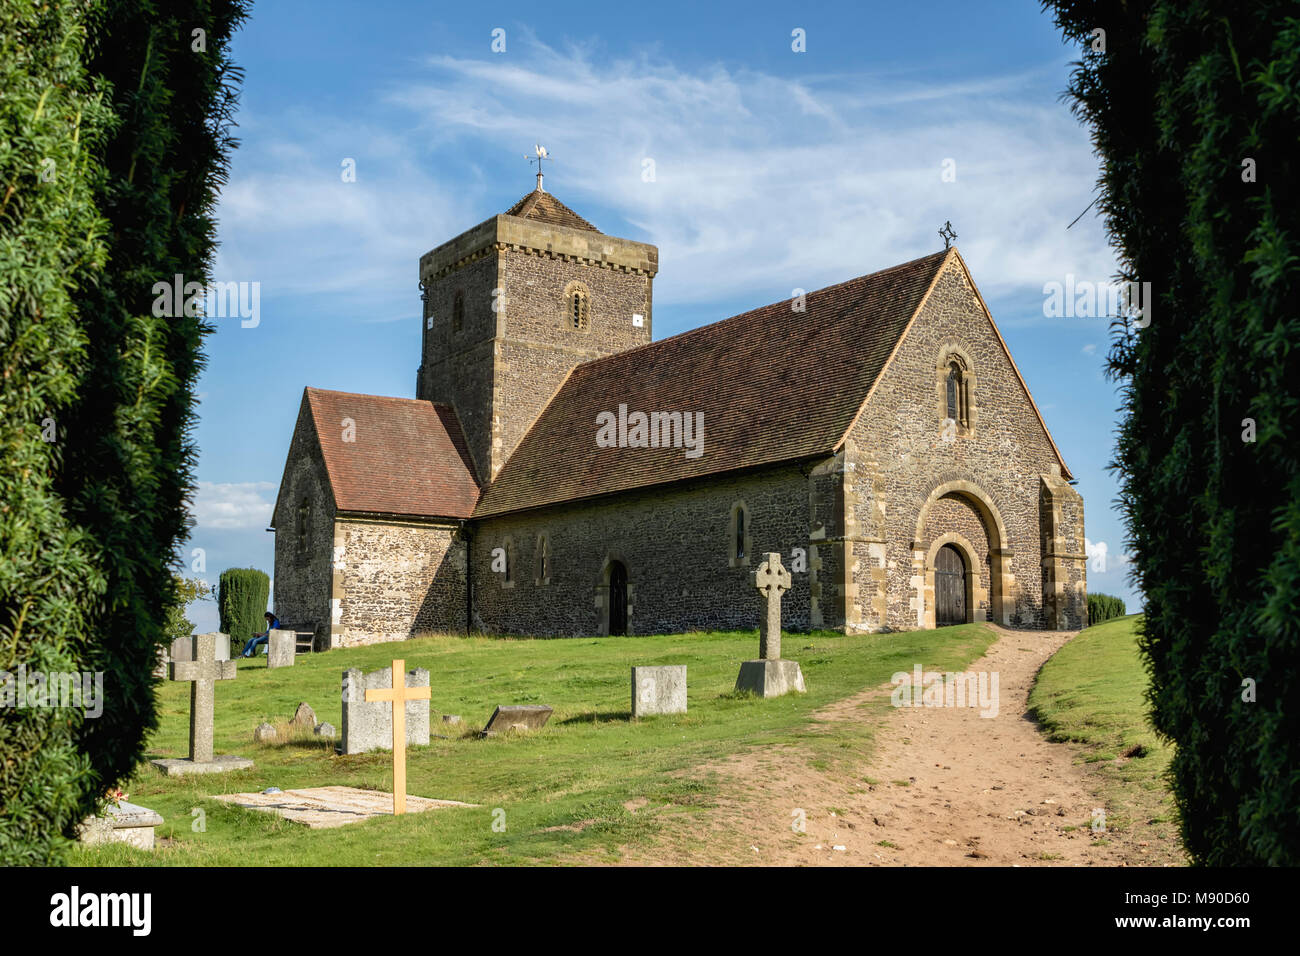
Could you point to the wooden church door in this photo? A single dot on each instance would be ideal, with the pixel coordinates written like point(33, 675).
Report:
point(617, 598)
point(949, 587)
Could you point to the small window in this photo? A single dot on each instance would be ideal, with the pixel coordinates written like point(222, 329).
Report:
point(458, 312)
point(543, 560)
point(954, 393)
point(304, 525)
point(578, 310)
point(510, 564)
point(738, 540)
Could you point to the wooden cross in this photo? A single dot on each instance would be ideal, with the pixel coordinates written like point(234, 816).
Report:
point(203, 672)
point(772, 581)
point(399, 695)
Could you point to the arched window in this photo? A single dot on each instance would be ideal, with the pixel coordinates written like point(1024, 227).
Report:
point(579, 308)
point(740, 535)
point(304, 525)
point(954, 381)
point(954, 394)
point(509, 562)
point(458, 312)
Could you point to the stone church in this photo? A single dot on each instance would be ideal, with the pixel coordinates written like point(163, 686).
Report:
point(560, 473)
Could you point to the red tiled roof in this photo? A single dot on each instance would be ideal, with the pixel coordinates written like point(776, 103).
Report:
point(544, 207)
point(773, 385)
point(409, 456)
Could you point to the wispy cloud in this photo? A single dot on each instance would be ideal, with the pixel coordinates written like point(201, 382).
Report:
point(761, 183)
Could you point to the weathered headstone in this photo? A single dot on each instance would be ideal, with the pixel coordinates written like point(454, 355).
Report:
point(369, 725)
point(182, 648)
point(304, 716)
point(396, 697)
point(659, 690)
point(516, 717)
point(281, 647)
point(264, 734)
point(770, 676)
point(121, 823)
point(203, 672)
point(324, 730)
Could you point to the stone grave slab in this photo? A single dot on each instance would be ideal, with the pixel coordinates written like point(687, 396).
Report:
point(368, 725)
point(325, 807)
point(522, 717)
point(125, 822)
point(281, 648)
point(659, 690)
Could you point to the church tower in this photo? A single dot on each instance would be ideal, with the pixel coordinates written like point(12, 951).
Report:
point(513, 304)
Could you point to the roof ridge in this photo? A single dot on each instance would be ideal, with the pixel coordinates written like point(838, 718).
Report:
point(387, 398)
point(596, 362)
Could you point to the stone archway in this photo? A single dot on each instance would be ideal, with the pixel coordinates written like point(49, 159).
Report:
point(976, 596)
point(999, 596)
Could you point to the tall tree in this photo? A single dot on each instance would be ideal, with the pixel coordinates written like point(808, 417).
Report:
point(94, 596)
point(1194, 107)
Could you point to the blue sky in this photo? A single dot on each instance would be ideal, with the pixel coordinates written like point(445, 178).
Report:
point(773, 170)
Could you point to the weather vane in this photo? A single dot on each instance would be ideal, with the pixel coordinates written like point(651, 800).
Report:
point(948, 234)
point(538, 157)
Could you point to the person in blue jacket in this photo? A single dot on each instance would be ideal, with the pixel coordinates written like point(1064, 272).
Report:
point(257, 640)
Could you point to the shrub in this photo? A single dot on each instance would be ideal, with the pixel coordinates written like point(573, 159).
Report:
point(1102, 607)
point(241, 598)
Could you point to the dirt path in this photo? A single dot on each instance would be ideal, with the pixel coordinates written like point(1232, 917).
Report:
point(944, 787)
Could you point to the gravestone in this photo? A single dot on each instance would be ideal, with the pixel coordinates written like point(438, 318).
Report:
point(516, 717)
point(369, 725)
point(182, 648)
point(121, 823)
point(659, 690)
point(304, 716)
point(203, 673)
point(281, 648)
point(770, 676)
point(324, 730)
point(264, 734)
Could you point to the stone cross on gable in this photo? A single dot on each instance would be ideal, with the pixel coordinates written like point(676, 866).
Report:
point(399, 695)
point(771, 580)
point(203, 672)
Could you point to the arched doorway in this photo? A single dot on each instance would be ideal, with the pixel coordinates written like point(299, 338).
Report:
point(949, 587)
point(617, 598)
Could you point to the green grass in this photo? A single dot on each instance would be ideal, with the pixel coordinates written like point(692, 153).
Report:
point(1092, 692)
point(563, 789)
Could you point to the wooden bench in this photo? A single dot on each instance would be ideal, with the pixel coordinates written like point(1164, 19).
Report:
point(305, 641)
